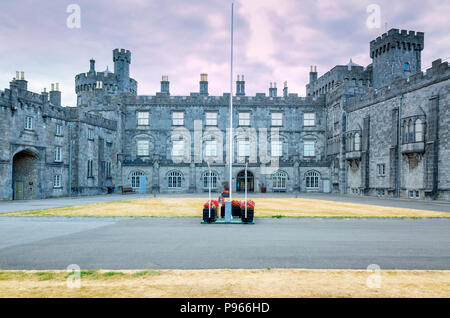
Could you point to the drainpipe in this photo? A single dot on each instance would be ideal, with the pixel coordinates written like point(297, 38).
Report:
point(70, 160)
point(399, 141)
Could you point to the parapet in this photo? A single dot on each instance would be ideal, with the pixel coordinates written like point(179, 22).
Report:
point(395, 38)
point(121, 54)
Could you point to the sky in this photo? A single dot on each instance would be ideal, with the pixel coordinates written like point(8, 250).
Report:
point(274, 41)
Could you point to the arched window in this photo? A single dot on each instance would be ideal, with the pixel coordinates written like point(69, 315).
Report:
point(411, 131)
point(419, 130)
point(206, 179)
point(174, 180)
point(135, 183)
point(279, 180)
point(312, 180)
point(357, 144)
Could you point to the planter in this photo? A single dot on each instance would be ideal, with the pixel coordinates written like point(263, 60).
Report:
point(236, 211)
point(222, 211)
point(250, 214)
point(207, 218)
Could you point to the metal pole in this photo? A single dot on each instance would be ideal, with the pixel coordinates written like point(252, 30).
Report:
point(245, 202)
point(70, 159)
point(117, 163)
point(209, 190)
point(231, 107)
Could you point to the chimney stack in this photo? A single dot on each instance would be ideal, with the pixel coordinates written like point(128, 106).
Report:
point(285, 90)
point(313, 74)
point(55, 95)
point(165, 84)
point(240, 86)
point(92, 67)
point(273, 90)
point(204, 84)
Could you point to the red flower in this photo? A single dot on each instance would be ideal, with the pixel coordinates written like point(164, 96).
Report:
point(214, 204)
point(235, 203)
point(250, 204)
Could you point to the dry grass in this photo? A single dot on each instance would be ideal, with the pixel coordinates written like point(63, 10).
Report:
point(226, 283)
point(176, 207)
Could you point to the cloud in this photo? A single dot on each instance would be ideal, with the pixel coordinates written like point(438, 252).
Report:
point(274, 41)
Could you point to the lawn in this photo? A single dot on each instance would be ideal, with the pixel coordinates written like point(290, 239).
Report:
point(268, 207)
point(226, 283)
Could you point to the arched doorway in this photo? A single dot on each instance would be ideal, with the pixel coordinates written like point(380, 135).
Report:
point(240, 182)
point(25, 175)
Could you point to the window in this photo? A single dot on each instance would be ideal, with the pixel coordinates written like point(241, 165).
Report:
point(178, 148)
point(143, 118)
point(90, 170)
point(414, 194)
point(58, 154)
point(210, 148)
point(357, 142)
point(309, 148)
point(244, 119)
point(243, 148)
point(90, 134)
point(277, 148)
point(57, 181)
point(419, 130)
point(211, 119)
point(29, 123)
point(58, 130)
point(312, 180)
point(143, 147)
point(277, 119)
point(206, 180)
point(177, 118)
point(174, 180)
point(135, 180)
point(279, 180)
point(108, 169)
point(381, 169)
point(309, 119)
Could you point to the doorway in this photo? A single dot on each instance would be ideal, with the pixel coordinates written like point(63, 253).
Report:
point(25, 175)
point(240, 182)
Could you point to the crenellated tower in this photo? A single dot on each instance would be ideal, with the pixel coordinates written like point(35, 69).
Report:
point(396, 54)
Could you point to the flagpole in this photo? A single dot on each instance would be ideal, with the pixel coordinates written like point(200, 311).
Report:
point(231, 107)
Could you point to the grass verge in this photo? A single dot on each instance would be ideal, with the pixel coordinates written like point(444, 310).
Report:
point(268, 207)
point(226, 283)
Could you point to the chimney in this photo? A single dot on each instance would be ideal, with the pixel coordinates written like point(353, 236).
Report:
point(313, 74)
point(240, 86)
point(55, 95)
point(21, 82)
point(92, 68)
point(165, 84)
point(285, 90)
point(273, 90)
point(204, 84)
point(44, 96)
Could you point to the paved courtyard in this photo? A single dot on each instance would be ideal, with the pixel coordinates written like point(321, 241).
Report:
point(184, 243)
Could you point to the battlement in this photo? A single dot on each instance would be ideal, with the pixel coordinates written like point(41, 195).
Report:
point(397, 39)
point(121, 55)
point(437, 73)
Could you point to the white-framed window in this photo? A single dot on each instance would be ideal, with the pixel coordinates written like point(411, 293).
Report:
point(381, 169)
point(90, 168)
point(58, 130)
point(174, 180)
point(277, 119)
point(279, 180)
point(244, 119)
point(57, 181)
point(309, 119)
point(29, 122)
point(312, 179)
point(211, 118)
point(206, 180)
point(419, 130)
point(243, 148)
point(143, 147)
point(178, 118)
point(58, 154)
point(90, 134)
point(178, 148)
point(210, 148)
point(143, 118)
point(135, 180)
point(309, 148)
point(357, 139)
point(277, 148)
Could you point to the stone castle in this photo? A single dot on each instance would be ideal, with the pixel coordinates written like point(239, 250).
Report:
point(380, 130)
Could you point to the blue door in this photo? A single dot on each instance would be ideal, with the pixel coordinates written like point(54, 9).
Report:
point(142, 185)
